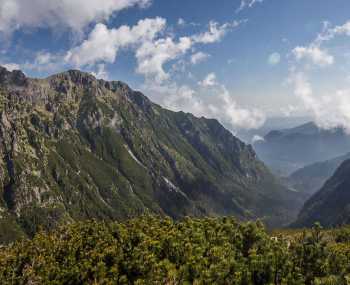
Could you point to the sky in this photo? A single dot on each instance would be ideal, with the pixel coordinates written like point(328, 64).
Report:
point(239, 61)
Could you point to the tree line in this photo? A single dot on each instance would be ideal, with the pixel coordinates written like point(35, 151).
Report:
point(155, 250)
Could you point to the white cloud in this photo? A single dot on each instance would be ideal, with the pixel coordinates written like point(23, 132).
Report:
point(216, 32)
point(303, 89)
point(314, 54)
point(199, 57)
point(101, 72)
point(152, 52)
point(257, 138)
point(11, 66)
point(149, 40)
point(43, 61)
point(330, 107)
point(44, 58)
point(181, 22)
point(247, 4)
point(329, 111)
point(330, 33)
point(209, 80)
point(103, 44)
point(151, 56)
point(274, 58)
point(73, 14)
point(234, 115)
point(214, 102)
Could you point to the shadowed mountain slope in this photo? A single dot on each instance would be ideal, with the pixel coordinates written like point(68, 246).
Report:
point(331, 205)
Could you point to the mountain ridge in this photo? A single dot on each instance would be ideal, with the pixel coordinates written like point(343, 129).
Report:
point(287, 150)
point(311, 178)
point(331, 204)
point(75, 147)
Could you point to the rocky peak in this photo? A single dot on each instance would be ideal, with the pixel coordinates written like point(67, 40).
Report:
point(15, 77)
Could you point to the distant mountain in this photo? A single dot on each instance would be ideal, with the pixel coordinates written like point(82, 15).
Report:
point(285, 151)
point(74, 147)
point(272, 123)
point(331, 205)
point(311, 178)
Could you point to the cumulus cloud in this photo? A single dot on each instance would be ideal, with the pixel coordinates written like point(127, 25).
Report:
point(235, 115)
point(329, 33)
point(103, 44)
point(274, 58)
point(215, 32)
point(42, 61)
point(314, 54)
point(151, 56)
point(329, 111)
point(330, 107)
point(213, 101)
point(152, 51)
point(73, 14)
point(209, 80)
point(199, 57)
point(101, 72)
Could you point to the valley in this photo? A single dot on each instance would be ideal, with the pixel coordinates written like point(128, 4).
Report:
point(154, 142)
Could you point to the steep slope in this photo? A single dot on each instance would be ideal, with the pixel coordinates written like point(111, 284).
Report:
point(311, 178)
point(74, 147)
point(331, 205)
point(285, 151)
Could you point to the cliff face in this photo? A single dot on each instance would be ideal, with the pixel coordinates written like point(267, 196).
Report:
point(73, 147)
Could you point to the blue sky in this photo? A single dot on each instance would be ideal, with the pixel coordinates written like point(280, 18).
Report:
point(240, 61)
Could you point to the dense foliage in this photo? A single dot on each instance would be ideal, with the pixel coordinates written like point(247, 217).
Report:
point(151, 250)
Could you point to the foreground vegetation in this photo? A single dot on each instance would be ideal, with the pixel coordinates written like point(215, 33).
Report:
point(151, 250)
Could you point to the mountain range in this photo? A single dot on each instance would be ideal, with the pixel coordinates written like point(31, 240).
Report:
point(75, 148)
point(286, 151)
point(311, 178)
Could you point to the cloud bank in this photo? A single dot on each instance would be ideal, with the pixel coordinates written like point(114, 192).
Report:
point(211, 100)
point(330, 108)
point(72, 14)
point(152, 47)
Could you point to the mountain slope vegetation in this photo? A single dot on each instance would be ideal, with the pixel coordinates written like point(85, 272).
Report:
point(74, 148)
